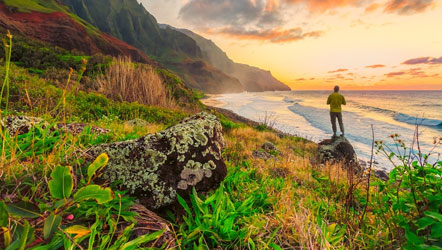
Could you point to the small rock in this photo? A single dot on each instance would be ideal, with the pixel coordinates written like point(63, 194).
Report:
point(381, 174)
point(137, 122)
point(268, 147)
point(262, 155)
point(77, 128)
point(19, 125)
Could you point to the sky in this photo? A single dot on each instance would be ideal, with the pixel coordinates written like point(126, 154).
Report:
point(316, 44)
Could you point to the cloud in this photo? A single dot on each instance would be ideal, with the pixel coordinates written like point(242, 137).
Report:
point(301, 79)
point(338, 70)
point(414, 72)
point(424, 60)
point(372, 7)
point(393, 74)
point(324, 5)
point(407, 7)
point(277, 35)
point(231, 12)
point(375, 66)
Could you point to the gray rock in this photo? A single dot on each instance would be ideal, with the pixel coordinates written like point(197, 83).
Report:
point(381, 174)
point(137, 122)
point(158, 166)
point(336, 150)
point(19, 125)
point(261, 155)
point(268, 147)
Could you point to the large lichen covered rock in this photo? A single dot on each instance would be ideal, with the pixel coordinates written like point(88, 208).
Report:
point(158, 166)
point(338, 149)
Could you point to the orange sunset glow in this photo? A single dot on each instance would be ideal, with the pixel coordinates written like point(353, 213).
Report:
point(358, 44)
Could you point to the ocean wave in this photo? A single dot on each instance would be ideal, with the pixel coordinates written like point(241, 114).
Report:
point(416, 120)
point(400, 117)
point(289, 100)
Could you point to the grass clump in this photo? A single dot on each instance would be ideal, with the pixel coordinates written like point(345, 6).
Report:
point(125, 81)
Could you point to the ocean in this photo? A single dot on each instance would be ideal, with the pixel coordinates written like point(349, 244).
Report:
point(305, 114)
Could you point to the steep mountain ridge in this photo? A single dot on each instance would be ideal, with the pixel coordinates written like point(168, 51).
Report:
point(252, 78)
point(131, 22)
point(56, 25)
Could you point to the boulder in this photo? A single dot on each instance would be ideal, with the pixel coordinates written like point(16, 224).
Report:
point(336, 150)
point(157, 166)
point(19, 125)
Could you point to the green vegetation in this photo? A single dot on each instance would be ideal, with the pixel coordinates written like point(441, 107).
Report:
point(33, 5)
point(285, 202)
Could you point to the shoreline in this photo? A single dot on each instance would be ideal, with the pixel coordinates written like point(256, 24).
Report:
point(364, 164)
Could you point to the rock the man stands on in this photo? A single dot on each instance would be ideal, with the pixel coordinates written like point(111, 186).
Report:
point(335, 100)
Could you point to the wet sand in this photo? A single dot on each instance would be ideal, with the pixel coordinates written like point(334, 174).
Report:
point(210, 100)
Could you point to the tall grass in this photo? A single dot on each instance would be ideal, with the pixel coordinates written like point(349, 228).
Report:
point(126, 81)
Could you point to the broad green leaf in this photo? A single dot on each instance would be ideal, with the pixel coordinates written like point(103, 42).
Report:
point(23, 209)
point(4, 217)
point(98, 193)
point(413, 238)
point(51, 225)
point(98, 164)
point(62, 183)
point(141, 240)
point(436, 230)
point(425, 222)
point(78, 230)
point(436, 216)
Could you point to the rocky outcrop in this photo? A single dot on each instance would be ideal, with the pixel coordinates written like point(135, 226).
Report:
point(19, 125)
point(336, 150)
point(157, 167)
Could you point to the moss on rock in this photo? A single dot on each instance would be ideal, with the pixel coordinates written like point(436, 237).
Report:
point(158, 166)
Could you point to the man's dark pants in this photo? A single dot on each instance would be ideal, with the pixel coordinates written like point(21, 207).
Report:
point(333, 116)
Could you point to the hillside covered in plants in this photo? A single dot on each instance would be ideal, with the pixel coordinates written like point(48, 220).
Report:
point(104, 151)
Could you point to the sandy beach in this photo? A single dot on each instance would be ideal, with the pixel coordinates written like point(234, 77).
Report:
point(210, 100)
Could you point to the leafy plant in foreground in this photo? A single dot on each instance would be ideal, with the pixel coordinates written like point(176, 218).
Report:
point(410, 202)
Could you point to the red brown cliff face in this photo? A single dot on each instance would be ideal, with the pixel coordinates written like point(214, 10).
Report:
point(61, 30)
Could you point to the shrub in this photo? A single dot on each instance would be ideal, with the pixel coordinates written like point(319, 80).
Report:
point(410, 202)
point(126, 81)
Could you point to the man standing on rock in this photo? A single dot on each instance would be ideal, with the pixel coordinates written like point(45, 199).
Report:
point(335, 100)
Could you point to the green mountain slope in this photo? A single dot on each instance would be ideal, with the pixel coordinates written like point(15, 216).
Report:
point(131, 22)
point(52, 22)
